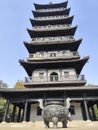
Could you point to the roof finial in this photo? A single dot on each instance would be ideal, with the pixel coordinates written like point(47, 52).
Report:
point(50, 2)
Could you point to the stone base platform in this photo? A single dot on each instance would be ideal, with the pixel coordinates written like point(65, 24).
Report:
point(74, 125)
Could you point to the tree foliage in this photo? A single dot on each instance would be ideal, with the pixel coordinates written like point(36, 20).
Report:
point(2, 101)
point(96, 112)
point(3, 85)
point(2, 106)
point(19, 84)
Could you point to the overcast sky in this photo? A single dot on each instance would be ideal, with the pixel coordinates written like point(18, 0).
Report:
point(14, 19)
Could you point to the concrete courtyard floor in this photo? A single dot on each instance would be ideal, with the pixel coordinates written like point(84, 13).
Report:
point(74, 125)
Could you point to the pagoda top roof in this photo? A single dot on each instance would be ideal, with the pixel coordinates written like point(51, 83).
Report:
point(32, 48)
point(76, 64)
point(52, 13)
point(51, 5)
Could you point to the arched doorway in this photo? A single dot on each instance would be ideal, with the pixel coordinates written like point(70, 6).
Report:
point(54, 76)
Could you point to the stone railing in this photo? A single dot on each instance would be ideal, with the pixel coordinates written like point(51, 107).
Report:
point(52, 9)
point(49, 55)
point(51, 17)
point(53, 39)
point(54, 78)
point(51, 27)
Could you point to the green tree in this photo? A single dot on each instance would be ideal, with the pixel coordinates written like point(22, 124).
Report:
point(2, 106)
point(2, 100)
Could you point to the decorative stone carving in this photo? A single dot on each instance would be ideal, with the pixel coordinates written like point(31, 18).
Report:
point(56, 111)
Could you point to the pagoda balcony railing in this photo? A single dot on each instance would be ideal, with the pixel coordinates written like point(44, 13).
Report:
point(53, 39)
point(52, 9)
point(55, 78)
point(53, 55)
point(51, 17)
point(52, 27)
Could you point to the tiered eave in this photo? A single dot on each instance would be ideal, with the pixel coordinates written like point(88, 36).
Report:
point(49, 6)
point(76, 64)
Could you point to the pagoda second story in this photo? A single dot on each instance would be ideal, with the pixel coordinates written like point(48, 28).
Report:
point(53, 59)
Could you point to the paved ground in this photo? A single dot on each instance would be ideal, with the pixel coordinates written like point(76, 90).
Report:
point(74, 125)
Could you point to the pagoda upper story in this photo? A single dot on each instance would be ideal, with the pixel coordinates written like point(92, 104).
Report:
point(53, 58)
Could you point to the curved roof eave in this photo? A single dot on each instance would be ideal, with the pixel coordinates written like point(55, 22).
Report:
point(67, 20)
point(45, 6)
point(33, 47)
point(69, 31)
point(52, 13)
point(76, 64)
point(22, 93)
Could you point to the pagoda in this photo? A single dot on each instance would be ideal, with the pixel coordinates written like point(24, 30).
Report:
point(53, 66)
point(53, 59)
point(54, 62)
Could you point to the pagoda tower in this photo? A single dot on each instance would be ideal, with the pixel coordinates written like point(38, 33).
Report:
point(54, 63)
point(53, 59)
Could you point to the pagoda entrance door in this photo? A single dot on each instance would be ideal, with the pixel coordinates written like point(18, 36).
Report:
point(54, 76)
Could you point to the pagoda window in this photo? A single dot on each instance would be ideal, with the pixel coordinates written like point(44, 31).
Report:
point(63, 52)
point(36, 54)
point(41, 54)
point(33, 39)
point(66, 74)
point(52, 54)
point(61, 38)
point(54, 76)
point(71, 37)
point(50, 38)
point(60, 53)
point(49, 25)
point(31, 55)
point(39, 111)
point(41, 75)
point(35, 26)
point(72, 110)
point(40, 27)
point(68, 53)
point(42, 39)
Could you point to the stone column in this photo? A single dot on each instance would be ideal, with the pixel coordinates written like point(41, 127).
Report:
point(6, 110)
point(82, 106)
point(64, 99)
point(19, 115)
point(25, 110)
point(89, 112)
point(86, 109)
point(13, 113)
point(44, 98)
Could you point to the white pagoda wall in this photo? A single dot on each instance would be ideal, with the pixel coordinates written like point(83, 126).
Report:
point(78, 112)
point(60, 72)
point(33, 113)
point(34, 117)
